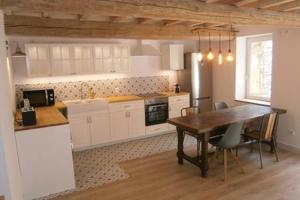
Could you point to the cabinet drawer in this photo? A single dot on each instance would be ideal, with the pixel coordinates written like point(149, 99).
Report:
point(126, 105)
point(181, 98)
point(157, 128)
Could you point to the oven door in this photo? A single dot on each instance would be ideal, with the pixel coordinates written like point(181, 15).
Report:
point(156, 114)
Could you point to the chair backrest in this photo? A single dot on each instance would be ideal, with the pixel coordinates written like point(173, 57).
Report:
point(190, 111)
point(220, 105)
point(232, 136)
point(267, 126)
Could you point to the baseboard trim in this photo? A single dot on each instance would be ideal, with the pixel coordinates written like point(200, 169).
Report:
point(289, 147)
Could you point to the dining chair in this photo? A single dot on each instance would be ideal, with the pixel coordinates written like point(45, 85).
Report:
point(194, 110)
point(230, 140)
point(220, 105)
point(265, 134)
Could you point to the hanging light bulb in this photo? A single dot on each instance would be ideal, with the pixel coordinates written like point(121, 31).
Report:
point(210, 55)
point(220, 57)
point(230, 57)
point(199, 55)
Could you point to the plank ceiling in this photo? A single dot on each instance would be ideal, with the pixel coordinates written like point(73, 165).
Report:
point(147, 19)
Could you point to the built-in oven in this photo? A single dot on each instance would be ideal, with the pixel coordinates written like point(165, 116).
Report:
point(156, 111)
point(38, 98)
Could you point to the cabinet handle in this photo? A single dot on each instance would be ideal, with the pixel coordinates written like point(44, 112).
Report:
point(157, 129)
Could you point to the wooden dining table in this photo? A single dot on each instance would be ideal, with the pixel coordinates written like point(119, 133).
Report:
point(204, 123)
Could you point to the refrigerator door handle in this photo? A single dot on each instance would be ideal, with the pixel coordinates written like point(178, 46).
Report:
point(202, 98)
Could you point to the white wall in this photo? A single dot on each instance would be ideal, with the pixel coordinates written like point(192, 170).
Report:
point(10, 180)
point(285, 80)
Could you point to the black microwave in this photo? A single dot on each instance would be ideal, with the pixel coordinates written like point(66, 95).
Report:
point(39, 98)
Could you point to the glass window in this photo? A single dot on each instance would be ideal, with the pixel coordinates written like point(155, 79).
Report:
point(259, 68)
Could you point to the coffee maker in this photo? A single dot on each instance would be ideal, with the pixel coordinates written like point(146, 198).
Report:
point(28, 114)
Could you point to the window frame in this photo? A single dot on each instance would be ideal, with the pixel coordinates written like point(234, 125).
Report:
point(250, 40)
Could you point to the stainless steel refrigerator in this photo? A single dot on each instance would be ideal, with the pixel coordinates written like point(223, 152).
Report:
point(196, 78)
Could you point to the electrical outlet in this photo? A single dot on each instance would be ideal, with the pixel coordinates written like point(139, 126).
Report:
point(292, 132)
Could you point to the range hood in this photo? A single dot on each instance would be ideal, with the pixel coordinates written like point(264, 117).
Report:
point(144, 49)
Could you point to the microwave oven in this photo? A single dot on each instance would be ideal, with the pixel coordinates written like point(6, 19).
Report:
point(39, 98)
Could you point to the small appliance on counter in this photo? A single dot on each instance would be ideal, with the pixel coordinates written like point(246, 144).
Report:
point(28, 114)
point(38, 98)
point(177, 88)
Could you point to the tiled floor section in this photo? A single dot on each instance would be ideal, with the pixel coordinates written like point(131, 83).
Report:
point(100, 166)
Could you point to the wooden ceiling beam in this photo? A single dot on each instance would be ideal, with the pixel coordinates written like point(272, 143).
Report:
point(189, 10)
point(244, 2)
point(36, 26)
point(212, 1)
point(141, 20)
point(174, 22)
point(271, 3)
point(292, 6)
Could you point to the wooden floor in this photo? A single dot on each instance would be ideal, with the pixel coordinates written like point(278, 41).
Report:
point(160, 177)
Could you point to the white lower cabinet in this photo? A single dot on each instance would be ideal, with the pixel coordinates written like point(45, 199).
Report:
point(127, 119)
point(45, 161)
point(80, 130)
point(176, 104)
point(99, 128)
point(158, 128)
point(89, 128)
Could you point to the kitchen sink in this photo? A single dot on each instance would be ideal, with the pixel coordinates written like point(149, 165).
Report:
point(86, 105)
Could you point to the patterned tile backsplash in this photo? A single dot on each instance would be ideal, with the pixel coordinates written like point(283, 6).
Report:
point(103, 88)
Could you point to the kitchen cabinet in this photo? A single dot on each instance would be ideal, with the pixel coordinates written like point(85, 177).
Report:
point(111, 58)
point(127, 119)
point(80, 130)
point(99, 127)
point(82, 59)
point(172, 56)
point(176, 103)
point(90, 128)
point(38, 60)
point(45, 161)
point(61, 59)
point(67, 59)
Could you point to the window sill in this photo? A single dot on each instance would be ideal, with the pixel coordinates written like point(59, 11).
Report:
point(264, 103)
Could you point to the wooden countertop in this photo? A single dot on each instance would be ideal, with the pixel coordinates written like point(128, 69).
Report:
point(117, 99)
point(170, 94)
point(45, 117)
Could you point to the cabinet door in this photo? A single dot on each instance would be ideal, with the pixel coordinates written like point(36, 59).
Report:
point(83, 61)
point(121, 58)
point(80, 131)
point(107, 59)
point(119, 125)
point(137, 122)
point(99, 126)
point(176, 56)
point(175, 106)
point(61, 59)
point(38, 59)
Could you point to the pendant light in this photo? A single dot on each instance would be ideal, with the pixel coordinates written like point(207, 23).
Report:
point(199, 55)
point(220, 57)
point(210, 55)
point(18, 52)
point(229, 55)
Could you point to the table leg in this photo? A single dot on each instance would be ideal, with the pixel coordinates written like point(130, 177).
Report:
point(204, 154)
point(180, 134)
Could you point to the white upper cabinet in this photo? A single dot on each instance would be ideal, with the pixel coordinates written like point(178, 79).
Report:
point(83, 62)
point(66, 59)
point(172, 56)
point(111, 58)
point(38, 60)
point(61, 60)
